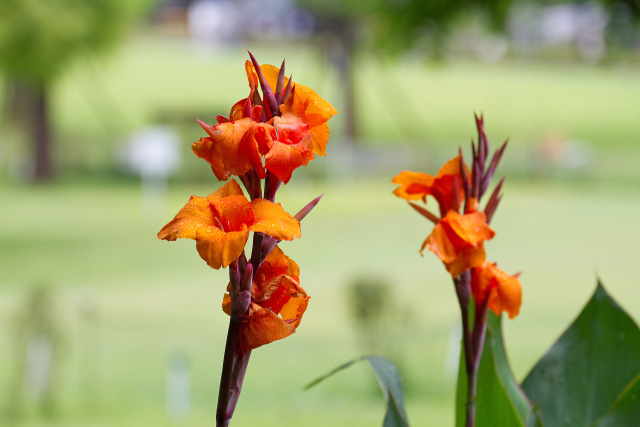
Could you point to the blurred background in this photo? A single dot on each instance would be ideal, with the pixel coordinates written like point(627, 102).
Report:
point(101, 323)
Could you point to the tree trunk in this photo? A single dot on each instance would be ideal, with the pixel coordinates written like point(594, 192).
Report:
point(42, 162)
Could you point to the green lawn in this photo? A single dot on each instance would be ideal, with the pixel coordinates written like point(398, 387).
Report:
point(92, 243)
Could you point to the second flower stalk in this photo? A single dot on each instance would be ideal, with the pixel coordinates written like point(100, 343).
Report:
point(458, 237)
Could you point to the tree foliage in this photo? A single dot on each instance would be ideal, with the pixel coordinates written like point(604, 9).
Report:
point(39, 38)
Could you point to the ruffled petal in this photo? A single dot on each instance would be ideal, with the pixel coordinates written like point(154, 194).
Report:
point(458, 241)
point(305, 106)
point(262, 326)
point(472, 228)
point(204, 148)
point(282, 159)
point(219, 249)
point(195, 215)
point(224, 146)
point(271, 219)
point(231, 188)
point(293, 310)
point(499, 290)
point(413, 185)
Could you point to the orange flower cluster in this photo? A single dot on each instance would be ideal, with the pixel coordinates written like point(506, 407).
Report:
point(268, 135)
point(265, 138)
point(277, 302)
point(461, 229)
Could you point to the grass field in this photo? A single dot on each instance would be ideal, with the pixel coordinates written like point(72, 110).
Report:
point(125, 302)
point(93, 244)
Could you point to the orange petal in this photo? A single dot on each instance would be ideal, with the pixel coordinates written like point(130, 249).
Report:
point(452, 167)
point(262, 327)
point(458, 241)
point(504, 292)
point(305, 106)
point(282, 159)
point(226, 304)
point(413, 185)
point(219, 249)
point(507, 295)
point(293, 310)
point(231, 188)
point(204, 148)
point(195, 215)
point(472, 228)
point(271, 219)
point(232, 213)
point(224, 146)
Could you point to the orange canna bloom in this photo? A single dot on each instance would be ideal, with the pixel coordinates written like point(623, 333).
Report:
point(303, 107)
point(221, 222)
point(290, 148)
point(277, 302)
point(232, 148)
point(458, 240)
point(445, 187)
point(237, 144)
point(503, 292)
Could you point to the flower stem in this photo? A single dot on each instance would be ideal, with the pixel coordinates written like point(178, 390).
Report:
point(472, 341)
point(225, 411)
point(235, 360)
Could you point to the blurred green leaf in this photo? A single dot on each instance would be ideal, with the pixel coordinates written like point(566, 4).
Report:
point(584, 372)
point(500, 401)
point(625, 411)
point(390, 384)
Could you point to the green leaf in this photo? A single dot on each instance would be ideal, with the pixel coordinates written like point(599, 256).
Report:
point(625, 411)
point(499, 400)
point(390, 384)
point(584, 372)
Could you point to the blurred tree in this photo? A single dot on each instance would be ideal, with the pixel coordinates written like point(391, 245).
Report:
point(394, 26)
point(39, 39)
point(397, 25)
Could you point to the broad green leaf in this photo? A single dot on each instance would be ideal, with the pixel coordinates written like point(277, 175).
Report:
point(500, 401)
point(390, 384)
point(625, 411)
point(583, 373)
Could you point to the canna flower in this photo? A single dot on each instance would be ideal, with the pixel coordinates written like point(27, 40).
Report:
point(458, 240)
point(255, 136)
point(303, 107)
point(232, 148)
point(492, 286)
point(447, 187)
point(277, 302)
point(221, 222)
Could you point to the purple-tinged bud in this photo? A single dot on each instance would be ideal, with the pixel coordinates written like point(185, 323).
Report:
point(280, 83)
point(240, 303)
point(305, 211)
point(267, 93)
point(246, 109)
point(268, 243)
point(465, 177)
point(476, 175)
point(425, 213)
point(287, 91)
point(267, 111)
point(455, 196)
point(493, 202)
point(272, 183)
point(256, 251)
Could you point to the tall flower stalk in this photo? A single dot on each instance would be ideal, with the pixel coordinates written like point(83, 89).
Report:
point(458, 237)
point(264, 139)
